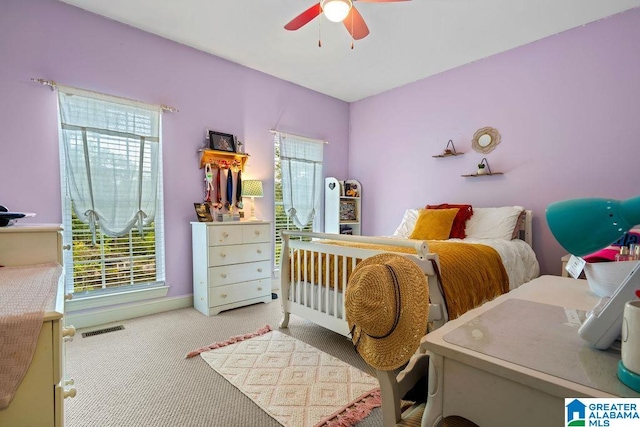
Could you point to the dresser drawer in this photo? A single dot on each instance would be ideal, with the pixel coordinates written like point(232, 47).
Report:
point(224, 235)
point(256, 233)
point(221, 295)
point(234, 273)
point(225, 255)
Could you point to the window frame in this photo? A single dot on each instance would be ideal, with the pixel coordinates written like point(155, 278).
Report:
point(280, 220)
point(113, 292)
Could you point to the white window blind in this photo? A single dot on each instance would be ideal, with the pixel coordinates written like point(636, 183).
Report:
point(112, 194)
point(302, 181)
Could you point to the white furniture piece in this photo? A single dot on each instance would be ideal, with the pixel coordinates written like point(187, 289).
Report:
point(322, 305)
point(39, 400)
point(231, 264)
point(342, 211)
point(513, 360)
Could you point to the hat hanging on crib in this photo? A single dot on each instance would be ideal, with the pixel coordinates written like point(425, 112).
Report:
point(387, 308)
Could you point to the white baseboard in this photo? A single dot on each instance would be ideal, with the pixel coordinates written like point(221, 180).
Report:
point(109, 315)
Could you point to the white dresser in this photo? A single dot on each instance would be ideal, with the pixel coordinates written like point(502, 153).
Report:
point(39, 399)
point(231, 264)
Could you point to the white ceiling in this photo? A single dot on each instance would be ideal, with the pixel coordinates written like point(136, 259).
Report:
point(409, 40)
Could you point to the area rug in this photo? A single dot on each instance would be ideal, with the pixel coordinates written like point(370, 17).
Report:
point(295, 383)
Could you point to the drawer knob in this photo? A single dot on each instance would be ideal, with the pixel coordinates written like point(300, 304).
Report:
point(68, 297)
point(225, 235)
point(259, 251)
point(223, 295)
point(259, 270)
point(222, 255)
point(224, 275)
point(71, 392)
point(257, 232)
point(68, 331)
point(259, 288)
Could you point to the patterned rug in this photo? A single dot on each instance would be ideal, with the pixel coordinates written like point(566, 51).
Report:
point(295, 383)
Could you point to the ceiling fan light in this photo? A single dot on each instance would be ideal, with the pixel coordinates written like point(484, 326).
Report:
point(336, 10)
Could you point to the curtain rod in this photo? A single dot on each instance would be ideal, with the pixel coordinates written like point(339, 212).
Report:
point(299, 136)
point(52, 84)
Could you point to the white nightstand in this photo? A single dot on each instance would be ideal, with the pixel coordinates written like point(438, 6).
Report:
point(513, 360)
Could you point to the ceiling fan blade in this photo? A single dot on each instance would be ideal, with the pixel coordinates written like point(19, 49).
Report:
point(380, 1)
point(354, 23)
point(304, 18)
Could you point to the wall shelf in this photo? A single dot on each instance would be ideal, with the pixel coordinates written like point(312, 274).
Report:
point(222, 158)
point(484, 163)
point(482, 174)
point(449, 152)
point(447, 155)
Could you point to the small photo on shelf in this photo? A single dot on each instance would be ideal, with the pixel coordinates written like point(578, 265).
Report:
point(203, 212)
point(348, 210)
point(345, 229)
point(351, 189)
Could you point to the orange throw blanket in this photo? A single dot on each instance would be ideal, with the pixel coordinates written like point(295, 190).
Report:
point(471, 274)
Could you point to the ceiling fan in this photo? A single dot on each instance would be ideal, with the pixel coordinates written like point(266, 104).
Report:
point(336, 11)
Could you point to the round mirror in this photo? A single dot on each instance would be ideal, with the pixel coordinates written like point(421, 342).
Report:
point(485, 140)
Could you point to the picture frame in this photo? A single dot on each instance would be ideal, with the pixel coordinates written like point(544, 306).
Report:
point(203, 212)
point(222, 141)
point(348, 210)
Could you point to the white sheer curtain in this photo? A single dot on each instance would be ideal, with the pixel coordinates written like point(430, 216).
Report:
point(111, 152)
point(301, 164)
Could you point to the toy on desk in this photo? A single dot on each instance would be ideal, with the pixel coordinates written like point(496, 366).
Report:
point(584, 226)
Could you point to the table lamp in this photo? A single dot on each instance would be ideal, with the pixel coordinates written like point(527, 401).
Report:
point(583, 226)
point(252, 188)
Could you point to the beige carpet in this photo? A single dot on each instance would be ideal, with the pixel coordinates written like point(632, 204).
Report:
point(295, 383)
point(138, 377)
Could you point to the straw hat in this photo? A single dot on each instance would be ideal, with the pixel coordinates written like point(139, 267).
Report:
point(387, 307)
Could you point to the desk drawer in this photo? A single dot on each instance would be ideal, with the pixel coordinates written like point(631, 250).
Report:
point(225, 255)
point(228, 294)
point(226, 274)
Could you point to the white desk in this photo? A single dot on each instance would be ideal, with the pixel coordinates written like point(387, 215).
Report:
point(518, 372)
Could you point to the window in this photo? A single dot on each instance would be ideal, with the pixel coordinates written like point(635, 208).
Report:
point(309, 177)
point(111, 178)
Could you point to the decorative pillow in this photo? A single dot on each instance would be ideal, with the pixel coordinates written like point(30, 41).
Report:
point(434, 224)
point(459, 222)
point(407, 224)
point(609, 253)
point(493, 223)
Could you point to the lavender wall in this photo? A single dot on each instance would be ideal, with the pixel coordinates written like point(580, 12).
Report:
point(567, 108)
point(51, 40)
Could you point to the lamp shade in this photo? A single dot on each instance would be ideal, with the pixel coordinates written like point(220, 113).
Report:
point(336, 10)
point(252, 188)
point(583, 226)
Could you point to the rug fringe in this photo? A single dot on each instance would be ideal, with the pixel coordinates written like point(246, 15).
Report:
point(354, 411)
point(231, 340)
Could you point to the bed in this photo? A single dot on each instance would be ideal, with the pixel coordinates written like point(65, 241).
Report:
point(315, 267)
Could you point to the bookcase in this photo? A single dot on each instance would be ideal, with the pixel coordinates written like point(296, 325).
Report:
point(342, 206)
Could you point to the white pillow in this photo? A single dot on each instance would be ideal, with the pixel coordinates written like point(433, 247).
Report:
point(493, 223)
point(408, 223)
